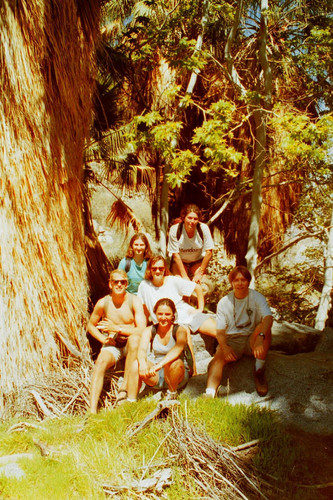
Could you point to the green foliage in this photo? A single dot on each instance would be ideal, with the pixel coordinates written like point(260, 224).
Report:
point(181, 166)
point(215, 135)
point(86, 454)
point(302, 139)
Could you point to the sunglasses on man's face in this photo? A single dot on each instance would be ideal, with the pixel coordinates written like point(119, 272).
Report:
point(122, 282)
point(158, 268)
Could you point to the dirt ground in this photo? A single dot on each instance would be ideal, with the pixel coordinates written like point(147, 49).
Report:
point(316, 458)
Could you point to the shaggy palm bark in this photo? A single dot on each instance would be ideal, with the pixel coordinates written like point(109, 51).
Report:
point(46, 80)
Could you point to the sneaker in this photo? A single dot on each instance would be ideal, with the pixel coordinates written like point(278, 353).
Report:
point(261, 382)
point(170, 396)
point(206, 395)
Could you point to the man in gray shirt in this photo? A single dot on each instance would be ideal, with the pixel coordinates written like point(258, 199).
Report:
point(244, 321)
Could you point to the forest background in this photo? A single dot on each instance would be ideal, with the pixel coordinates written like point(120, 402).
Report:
point(225, 103)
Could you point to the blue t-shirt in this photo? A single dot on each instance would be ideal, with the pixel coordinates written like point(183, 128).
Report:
point(136, 274)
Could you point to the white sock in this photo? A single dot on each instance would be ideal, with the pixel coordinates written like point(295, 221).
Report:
point(209, 390)
point(260, 363)
point(171, 392)
point(131, 400)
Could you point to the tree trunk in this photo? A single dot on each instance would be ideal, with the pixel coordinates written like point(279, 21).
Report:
point(325, 299)
point(46, 80)
point(260, 117)
point(260, 161)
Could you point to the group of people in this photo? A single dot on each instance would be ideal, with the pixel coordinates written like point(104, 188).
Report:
point(148, 319)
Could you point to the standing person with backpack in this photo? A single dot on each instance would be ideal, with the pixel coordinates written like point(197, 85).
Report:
point(161, 361)
point(190, 245)
point(135, 261)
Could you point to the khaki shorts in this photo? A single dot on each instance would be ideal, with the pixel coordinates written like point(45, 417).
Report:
point(117, 352)
point(240, 344)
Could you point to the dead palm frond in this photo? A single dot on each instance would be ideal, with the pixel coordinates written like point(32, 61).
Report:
point(121, 216)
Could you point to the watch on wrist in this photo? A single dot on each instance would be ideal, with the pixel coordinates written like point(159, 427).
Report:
point(261, 334)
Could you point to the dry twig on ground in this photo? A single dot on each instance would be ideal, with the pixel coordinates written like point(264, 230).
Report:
point(215, 468)
point(62, 392)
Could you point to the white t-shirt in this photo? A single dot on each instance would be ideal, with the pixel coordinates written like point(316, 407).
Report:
point(241, 316)
point(190, 249)
point(174, 288)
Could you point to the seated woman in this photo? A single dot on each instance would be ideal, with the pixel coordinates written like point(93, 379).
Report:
point(159, 284)
point(190, 245)
point(135, 261)
point(164, 366)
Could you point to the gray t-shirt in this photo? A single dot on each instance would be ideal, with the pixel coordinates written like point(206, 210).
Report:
point(241, 316)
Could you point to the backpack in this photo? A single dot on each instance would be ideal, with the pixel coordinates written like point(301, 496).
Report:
point(187, 354)
point(180, 229)
point(128, 262)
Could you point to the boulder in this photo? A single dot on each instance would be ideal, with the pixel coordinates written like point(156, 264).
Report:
point(300, 385)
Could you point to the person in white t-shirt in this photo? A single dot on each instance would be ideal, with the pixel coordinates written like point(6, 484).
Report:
point(158, 284)
point(244, 321)
point(190, 245)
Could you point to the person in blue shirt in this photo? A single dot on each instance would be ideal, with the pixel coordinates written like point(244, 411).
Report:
point(135, 261)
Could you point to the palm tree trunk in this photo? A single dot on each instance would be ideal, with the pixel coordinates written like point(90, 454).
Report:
point(46, 79)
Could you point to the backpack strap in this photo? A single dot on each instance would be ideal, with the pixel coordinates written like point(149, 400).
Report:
point(199, 229)
point(180, 229)
point(128, 262)
point(153, 333)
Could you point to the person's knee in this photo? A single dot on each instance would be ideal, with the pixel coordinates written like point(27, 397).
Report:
point(176, 367)
point(102, 364)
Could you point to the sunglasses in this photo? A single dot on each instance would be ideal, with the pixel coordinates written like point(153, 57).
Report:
point(122, 282)
point(158, 268)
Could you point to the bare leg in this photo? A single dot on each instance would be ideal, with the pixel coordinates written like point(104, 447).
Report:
point(215, 370)
point(174, 373)
point(132, 349)
point(134, 379)
point(104, 361)
point(208, 327)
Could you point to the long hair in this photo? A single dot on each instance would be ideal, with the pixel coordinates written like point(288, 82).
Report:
point(139, 236)
point(190, 207)
point(242, 270)
point(151, 262)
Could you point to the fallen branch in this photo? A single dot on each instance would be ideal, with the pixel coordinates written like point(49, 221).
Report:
point(160, 412)
point(245, 446)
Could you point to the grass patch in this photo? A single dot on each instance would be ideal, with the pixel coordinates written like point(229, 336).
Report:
point(83, 455)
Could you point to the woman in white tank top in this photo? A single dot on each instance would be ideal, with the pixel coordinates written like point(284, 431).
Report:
point(164, 367)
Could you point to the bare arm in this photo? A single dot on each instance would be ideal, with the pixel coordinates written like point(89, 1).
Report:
point(175, 352)
point(198, 274)
point(110, 327)
point(180, 266)
point(142, 351)
point(267, 324)
point(227, 351)
point(261, 344)
point(200, 297)
point(94, 319)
